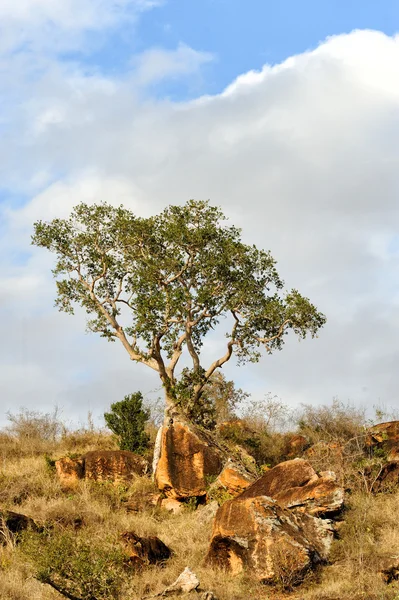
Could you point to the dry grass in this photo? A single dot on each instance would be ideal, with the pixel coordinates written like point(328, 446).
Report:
point(369, 535)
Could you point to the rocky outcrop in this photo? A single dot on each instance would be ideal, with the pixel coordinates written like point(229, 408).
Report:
point(234, 478)
point(69, 471)
point(274, 528)
point(101, 465)
point(295, 484)
point(187, 460)
point(12, 523)
point(383, 433)
point(295, 445)
point(114, 465)
point(145, 550)
point(258, 535)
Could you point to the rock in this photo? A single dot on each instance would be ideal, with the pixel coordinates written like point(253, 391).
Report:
point(145, 550)
point(187, 458)
point(294, 484)
point(140, 502)
point(101, 465)
point(273, 528)
point(383, 433)
point(186, 582)
point(234, 478)
point(12, 523)
point(69, 471)
point(114, 465)
point(207, 513)
point(387, 480)
point(393, 454)
point(389, 568)
point(172, 505)
point(295, 445)
point(284, 476)
point(273, 543)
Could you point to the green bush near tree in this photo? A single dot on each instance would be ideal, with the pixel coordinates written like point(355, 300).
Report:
point(127, 420)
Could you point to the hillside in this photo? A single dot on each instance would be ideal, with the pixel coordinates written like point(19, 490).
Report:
point(78, 531)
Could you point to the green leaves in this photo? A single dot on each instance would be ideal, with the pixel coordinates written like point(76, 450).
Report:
point(127, 420)
point(160, 285)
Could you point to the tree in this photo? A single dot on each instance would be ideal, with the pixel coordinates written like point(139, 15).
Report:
point(160, 285)
point(127, 420)
point(218, 401)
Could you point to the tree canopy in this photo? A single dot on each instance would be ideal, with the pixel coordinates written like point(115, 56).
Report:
point(161, 284)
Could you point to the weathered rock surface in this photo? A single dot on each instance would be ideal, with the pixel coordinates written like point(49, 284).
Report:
point(14, 523)
point(114, 465)
point(185, 583)
point(101, 465)
point(140, 502)
point(274, 528)
point(145, 550)
point(383, 433)
point(234, 478)
point(187, 459)
point(272, 542)
point(388, 478)
point(69, 470)
point(172, 505)
point(295, 446)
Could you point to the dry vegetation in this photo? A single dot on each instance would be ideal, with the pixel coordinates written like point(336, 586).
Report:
point(93, 516)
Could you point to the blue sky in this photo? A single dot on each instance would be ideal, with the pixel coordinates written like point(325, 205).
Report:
point(149, 102)
point(240, 35)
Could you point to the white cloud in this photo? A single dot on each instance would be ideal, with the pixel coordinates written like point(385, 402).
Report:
point(54, 24)
point(157, 64)
point(302, 155)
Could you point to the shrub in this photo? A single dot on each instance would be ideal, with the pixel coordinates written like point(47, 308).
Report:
point(76, 566)
point(127, 420)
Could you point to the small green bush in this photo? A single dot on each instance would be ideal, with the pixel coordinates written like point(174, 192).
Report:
point(127, 420)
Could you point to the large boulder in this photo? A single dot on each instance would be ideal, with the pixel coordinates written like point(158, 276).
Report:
point(101, 465)
point(145, 550)
point(295, 484)
point(188, 460)
point(114, 465)
point(274, 527)
point(273, 543)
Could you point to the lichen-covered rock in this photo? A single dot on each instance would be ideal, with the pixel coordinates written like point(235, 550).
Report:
point(274, 527)
point(101, 465)
point(187, 459)
point(114, 465)
point(69, 471)
point(295, 484)
point(383, 433)
point(145, 550)
point(234, 478)
point(272, 542)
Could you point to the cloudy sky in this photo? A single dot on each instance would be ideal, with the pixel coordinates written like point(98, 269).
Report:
point(284, 113)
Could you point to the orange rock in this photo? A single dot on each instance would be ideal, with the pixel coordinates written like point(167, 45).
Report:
point(295, 484)
point(186, 459)
point(172, 505)
point(114, 465)
point(145, 550)
point(284, 476)
point(295, 445)
point(383, 432)
point(69, 471)
point(234, 479)
point(257, 535)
